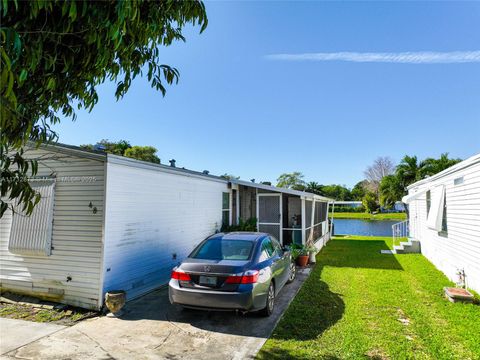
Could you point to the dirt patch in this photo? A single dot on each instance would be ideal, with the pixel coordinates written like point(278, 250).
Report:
point(377, 354)
point(26, 308)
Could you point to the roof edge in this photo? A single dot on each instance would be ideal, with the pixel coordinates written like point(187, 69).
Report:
point(281, 190)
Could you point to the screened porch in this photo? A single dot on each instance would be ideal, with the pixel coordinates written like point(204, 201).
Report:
point(289, 215)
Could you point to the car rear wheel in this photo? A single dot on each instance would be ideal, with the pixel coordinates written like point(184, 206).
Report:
point(293, 273)
point(270, 304)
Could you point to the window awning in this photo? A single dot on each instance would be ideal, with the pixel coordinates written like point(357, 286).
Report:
point(435, 216)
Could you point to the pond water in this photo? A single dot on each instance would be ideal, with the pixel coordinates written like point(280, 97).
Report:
point(363, 227)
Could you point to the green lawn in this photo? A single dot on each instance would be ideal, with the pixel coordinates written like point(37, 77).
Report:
point(360, 304)
point(366, 216)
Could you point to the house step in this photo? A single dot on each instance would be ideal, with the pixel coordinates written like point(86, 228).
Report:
point(411, 246)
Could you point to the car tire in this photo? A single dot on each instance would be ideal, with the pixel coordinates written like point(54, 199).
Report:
point(270, 302)
point(292, 272)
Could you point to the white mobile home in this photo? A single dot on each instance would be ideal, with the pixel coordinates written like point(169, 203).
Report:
point(444, 216)
point(106, 222)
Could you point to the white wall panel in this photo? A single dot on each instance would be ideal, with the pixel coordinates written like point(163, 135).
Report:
point(74, 266)
point(151, 217)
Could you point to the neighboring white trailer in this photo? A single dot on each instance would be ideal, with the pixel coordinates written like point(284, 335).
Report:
point(444, 215)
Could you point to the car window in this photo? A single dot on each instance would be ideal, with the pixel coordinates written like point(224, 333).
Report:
point(221, 249)
point(277, 246)
point(267, 250)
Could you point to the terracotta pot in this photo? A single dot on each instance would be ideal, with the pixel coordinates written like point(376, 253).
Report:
point(114, 300)
point(302, 260)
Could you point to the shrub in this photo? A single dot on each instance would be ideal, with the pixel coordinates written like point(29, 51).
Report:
point(370, 203)
point(247, 225)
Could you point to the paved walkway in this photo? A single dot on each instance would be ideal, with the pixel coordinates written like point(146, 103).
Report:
point(16, 333)
point(151, 328)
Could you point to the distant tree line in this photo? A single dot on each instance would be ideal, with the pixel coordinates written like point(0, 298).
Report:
point(384, 183)
point(124, 148)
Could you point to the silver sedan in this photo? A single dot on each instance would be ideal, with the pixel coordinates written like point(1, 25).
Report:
point(241, 271)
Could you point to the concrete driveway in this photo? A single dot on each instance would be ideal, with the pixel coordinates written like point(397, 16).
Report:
point(16, 333)
point(151, 328)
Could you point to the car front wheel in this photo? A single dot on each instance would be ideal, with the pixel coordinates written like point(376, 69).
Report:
point(270, 304)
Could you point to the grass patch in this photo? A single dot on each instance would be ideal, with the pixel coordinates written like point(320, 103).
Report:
point(367, 216)
point(360, 304)
point(67, 316)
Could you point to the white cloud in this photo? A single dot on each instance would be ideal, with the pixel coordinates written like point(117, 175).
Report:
point(421, 57)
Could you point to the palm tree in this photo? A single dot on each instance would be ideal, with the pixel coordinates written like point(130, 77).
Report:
point(434, 166)
point(314, 187)
point(409, 170)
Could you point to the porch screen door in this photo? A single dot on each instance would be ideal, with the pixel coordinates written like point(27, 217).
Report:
point(269, 214)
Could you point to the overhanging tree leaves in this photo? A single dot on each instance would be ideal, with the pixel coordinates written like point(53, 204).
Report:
point(55, 53)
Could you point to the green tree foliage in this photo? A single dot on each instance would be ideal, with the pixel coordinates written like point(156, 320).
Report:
point(112, 147)
point(55, 53)
point(391, 190)
point(359, 190)
point(314, 188)
point(124, 148)
point(337, 192)
point(433, 166)
point(409, 170)
point(291, 181)
point(144, 153)
point(370, 202)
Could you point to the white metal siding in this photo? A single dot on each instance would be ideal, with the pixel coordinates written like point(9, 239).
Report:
point(151, 217)
point(460, 248)
point(73, 268)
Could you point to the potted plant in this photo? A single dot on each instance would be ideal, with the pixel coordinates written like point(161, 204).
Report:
point(300, 254)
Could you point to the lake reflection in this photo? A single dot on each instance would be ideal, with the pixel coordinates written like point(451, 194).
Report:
point(363, 227)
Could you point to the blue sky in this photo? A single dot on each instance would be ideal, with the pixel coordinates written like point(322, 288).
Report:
point(239, 111)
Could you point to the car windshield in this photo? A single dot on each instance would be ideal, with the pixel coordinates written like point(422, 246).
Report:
point(221, 249)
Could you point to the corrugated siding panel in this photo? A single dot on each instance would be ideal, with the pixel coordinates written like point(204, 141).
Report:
point(76, 235)
point(32, 235)
point(151, 217)
point(460, 248)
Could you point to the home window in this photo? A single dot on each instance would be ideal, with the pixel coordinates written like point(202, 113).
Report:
point(226, 208)
point(429, 201)
point(437, 218)
point(32, 235)
point(458, 181)
point(444, 218)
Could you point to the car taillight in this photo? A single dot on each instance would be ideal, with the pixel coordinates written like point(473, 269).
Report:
point(248, 277)
point(180, 275)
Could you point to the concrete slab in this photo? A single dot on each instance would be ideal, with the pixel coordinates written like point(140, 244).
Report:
point(16, 333)
point(151, 328)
